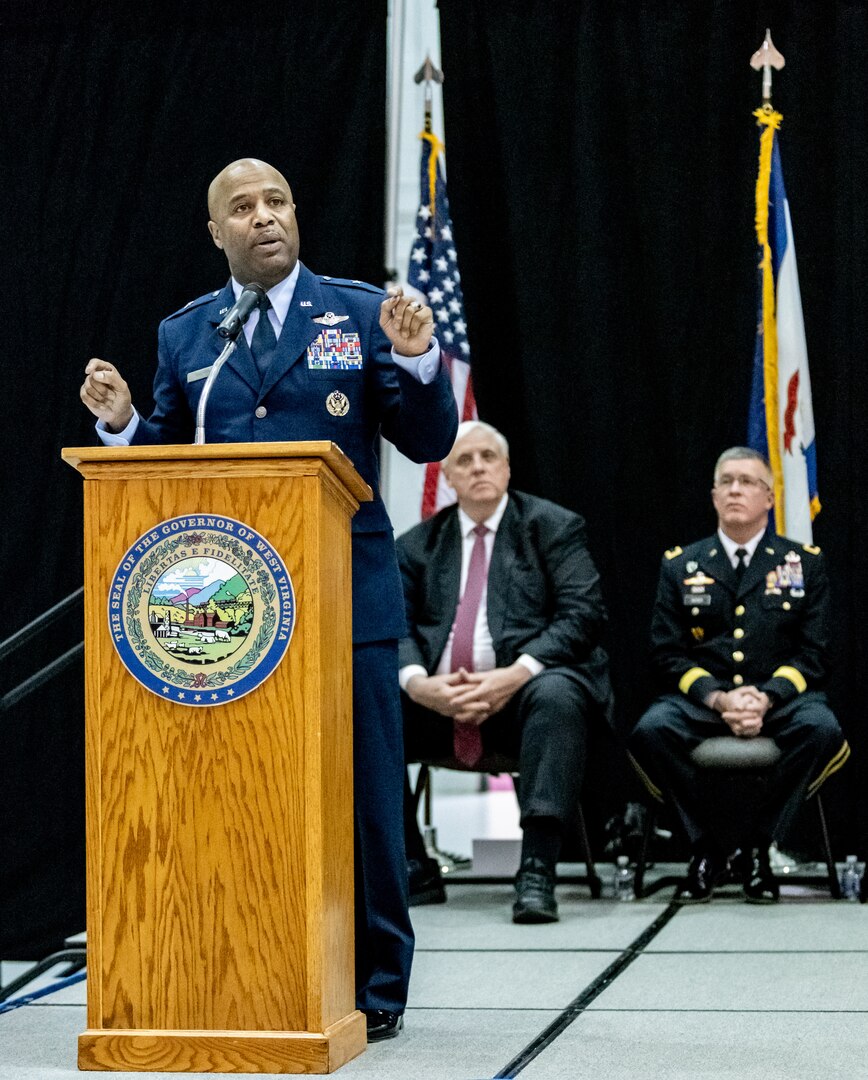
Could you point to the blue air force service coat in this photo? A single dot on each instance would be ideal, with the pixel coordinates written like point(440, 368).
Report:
point(332, 377)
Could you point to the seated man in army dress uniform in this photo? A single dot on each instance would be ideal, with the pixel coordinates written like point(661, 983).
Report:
point(739, 642)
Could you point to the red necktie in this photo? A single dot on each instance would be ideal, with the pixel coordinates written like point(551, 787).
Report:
point(466, 738)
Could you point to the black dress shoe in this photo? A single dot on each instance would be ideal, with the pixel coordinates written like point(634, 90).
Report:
point(760, 884)
point(426, 884)
point(703, 873)
point(535, 894)
point(383, 1024)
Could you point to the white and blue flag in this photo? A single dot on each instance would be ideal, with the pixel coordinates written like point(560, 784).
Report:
point(781, 417)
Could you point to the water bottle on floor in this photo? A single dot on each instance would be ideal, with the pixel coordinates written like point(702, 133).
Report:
point(624, 879)
point(851, 879)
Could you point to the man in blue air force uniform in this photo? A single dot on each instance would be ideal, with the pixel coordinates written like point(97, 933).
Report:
point(740, 643)
point(321, 358)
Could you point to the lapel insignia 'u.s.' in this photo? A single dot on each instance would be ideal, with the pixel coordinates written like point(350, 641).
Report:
point(330, 319)
point(338, 404)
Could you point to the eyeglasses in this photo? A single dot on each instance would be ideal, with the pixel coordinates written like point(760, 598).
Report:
point(745, 481)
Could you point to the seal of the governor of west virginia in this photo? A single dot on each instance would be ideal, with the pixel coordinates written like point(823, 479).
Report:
point(201, 609)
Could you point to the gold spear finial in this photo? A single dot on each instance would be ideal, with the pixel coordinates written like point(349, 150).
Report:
point(767, 57)
point(429, 74)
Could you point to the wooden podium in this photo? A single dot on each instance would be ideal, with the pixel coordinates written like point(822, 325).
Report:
point(220, 838)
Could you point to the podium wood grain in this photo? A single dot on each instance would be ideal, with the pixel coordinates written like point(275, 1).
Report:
point(220, 840)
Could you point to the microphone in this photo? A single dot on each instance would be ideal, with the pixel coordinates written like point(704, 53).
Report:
point(240, 311)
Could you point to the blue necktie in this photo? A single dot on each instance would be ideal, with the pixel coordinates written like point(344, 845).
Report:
point(264, 340)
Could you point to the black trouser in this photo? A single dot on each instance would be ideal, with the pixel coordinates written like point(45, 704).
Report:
point(804, 730)
point(543, 728)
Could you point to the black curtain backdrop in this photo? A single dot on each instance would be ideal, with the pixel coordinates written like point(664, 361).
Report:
point(112, 125)
point(602, 159)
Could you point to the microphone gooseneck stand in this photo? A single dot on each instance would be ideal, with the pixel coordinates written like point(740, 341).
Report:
point(230, 328)
point(228, 350)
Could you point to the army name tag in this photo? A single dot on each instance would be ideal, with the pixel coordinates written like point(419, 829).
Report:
point(696, 600)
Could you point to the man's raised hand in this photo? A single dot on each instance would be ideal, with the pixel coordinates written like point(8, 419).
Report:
point(107, 395)
point(407, 323)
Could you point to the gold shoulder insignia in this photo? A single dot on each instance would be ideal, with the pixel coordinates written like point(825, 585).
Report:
point(673, 552)
point(811, 549)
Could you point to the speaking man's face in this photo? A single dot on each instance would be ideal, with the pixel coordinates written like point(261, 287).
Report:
point(253, 222)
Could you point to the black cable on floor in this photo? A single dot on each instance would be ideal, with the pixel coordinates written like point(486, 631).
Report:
point(576, 1007)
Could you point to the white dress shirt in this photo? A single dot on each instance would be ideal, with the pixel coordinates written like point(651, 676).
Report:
point(730, 546)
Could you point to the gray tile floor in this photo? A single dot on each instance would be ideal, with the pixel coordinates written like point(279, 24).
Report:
point(723, 990)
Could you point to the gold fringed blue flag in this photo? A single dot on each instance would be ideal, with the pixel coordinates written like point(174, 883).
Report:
point(781, 418)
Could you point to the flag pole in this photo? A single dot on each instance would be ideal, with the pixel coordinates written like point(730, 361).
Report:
point(394, 99)
point(429, 74)
point(765, 58)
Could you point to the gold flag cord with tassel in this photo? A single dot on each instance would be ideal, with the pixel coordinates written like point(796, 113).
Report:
point(770, 120)
point(436, 150)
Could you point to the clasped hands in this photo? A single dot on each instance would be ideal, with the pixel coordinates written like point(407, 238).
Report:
point(742, 709)
point(468, 697)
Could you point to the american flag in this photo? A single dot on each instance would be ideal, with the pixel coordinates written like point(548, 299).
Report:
point(433, 275)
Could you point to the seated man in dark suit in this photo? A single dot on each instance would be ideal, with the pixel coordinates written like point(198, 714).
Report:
point(740, 642)
point(502, 656)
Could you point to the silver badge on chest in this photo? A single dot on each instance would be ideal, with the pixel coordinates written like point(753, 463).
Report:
point(338, 404)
